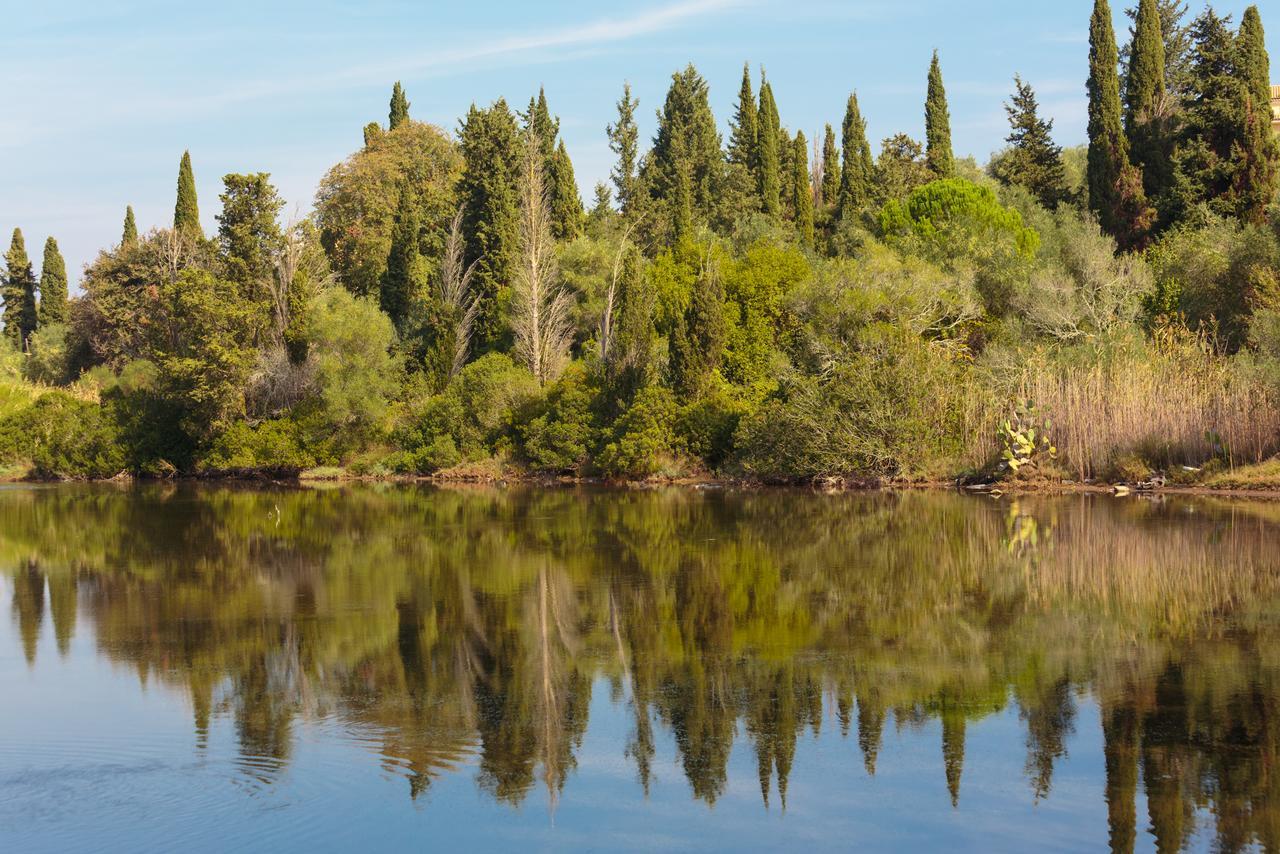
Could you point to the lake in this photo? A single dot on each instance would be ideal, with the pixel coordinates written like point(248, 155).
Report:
point(193, 667)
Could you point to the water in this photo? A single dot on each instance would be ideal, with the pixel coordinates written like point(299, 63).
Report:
point(215, 668)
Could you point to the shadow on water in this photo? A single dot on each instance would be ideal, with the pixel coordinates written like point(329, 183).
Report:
point(446, 628)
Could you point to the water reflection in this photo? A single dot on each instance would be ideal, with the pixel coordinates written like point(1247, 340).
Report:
point(468, 627)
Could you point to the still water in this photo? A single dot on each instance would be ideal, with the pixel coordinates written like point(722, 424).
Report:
point(216, 668)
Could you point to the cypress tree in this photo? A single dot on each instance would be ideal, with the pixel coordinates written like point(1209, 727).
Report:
point(1256, 181)
point(697, 342)
point(802, 194)
point(19, 292)
point(1115, 186)
point(404, 283)
point(629, 362)
point(624, 141)
point(937, 124)
point(682, 169)
point(130, 235)
point(857, 172)
point(786, 176)
point(566, 203)
point(1033, 160)
point(768, 155)
point(186, 213)
point(745, 127)
point(491, 152)
point(538, 120)
point(831, 168)
point(1144, 105)
point(1255, 64)
point(399, 113)
point(53, 286)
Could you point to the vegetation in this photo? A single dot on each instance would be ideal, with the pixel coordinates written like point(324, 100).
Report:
point(739, 305)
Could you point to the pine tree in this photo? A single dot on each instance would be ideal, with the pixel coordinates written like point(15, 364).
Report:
point(624, 141)
point(1146, 107)
point(566, 203)
point(489, 189)
point(768, 155)
point(682, 169)
point(130, 235)
point(857, 172)
point(1115, 186)
point(802, 195)
point(937, 124)
point(53, 286)
point(1033, 160)
point(831, 168)
point(404, 283)
point(19, 293)
point(745, 127)
point(399, 108)
point(186, 213)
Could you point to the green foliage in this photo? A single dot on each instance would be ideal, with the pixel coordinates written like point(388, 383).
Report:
point(399, 112)
point(558, 430)
point(129, 237)
point(957, 218)
point(64, 437)
point(624, 141)
point(697, 340)
point(19, 293)
point(642, 440)
point(49, 357)
point(684, 165)
point(801, 191)
point(566, 203)
point(1033, 160)
point(249, 240)
point(186, 211)
point(405, 281)
point(757, 286)
point(937, 124)
point(856, 173)
point(53, 286)
point(705, 429)
point(744, 127)
point(273, 445)
point(831, 177)
point(768, 157)
point(1024, 439)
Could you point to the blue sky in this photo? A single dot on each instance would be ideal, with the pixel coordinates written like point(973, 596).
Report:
point(102, 97)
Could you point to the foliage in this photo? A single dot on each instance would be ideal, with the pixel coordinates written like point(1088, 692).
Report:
point(558, 430)
point(642, 439)
point(64, 437)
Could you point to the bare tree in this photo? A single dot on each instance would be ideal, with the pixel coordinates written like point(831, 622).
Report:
point(611, 297)
point(541, 306)
point(455, 292)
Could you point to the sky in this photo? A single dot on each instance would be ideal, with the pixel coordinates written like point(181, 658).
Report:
point(101, 97)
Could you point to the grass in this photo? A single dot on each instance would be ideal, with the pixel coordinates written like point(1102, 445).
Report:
point(1264, 475)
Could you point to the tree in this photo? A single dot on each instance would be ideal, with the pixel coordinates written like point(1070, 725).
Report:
point(490, 194)
point(768, 155)
point(566, 203)
point(186, 213)
point(1176, 38)
point(900, 168)
point(697, 342)
point(831, 177)
point(744, 128)
point(53, 286)
point(937, 124)
point(629, 354)
point(455, 295)
point(19, 293)
point(802, 195)
point(540, 306)
point(857, 171)
point(399, 108)
point(1033, 160)
point(1257, 179)
point(683, 168)
point(130, 235)
point(1115, 186)
point(249, 239)
point(624, 141)
point(1255, 65)
point(1147, 107)
point(404, 284)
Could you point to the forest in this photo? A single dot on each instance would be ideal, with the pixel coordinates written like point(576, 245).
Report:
point(751, 304)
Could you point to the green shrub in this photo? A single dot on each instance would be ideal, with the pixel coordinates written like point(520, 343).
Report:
point(273, 445)
point(705, 428)
point(558, 430)
point(643, 437)
point(64, 437)
point(49, 358)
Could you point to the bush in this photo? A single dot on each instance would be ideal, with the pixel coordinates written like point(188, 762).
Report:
point(49, 360)
point(64, 437)
point(642, 438)
point(558, 430)
point(705, 428)
point(270, 445)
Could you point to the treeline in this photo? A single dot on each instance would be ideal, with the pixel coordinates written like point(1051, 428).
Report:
point(758, 304)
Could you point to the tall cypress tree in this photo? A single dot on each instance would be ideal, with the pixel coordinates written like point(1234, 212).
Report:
point(1145, 91)
point(53, 286)
point(186, 213)
point(697, 342)
point(684, 165)
point(399, 113)
point(857, 172)
point(831, 169)
point(802, 193)
point(1115, 186)
point(1033, 160)
point(404, 283)
point(629, 362)
point(1255, 64)
point(566, 202)
point(130, 235)
point(937, 124)
point(768, 156)
point(491, 151)
point(19, 292)
point(624, 141)
point(744, 129)
point(1256, 180)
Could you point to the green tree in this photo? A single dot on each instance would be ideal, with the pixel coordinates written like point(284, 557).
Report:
point(831, 168)
point(629, 360)
point(624, 141)
point(1115, 186)
point(683, 167)
point(900, 168)
point(405, 283)
point(566, 203)
point(857, 171)
point(768, 154)
point(1261, 153)
point(53, 286)
point(491, 151)
point(802, 192)
point(937, 124)
point(186, 212)
point(744, 128)
point(19, 292)
point(1033, 160)
point(1147, 104)
point(130, 234)
point(697, 343)
point(399, 113)
point(249, 240)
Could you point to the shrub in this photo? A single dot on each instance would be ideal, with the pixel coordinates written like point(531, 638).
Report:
point(705, 428)
point(49, 359)
point(642, 438)
point(64, 437)
point(558, 430)
point(273, 444)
